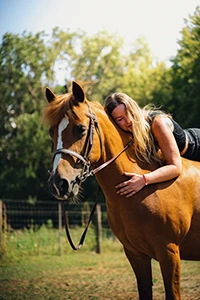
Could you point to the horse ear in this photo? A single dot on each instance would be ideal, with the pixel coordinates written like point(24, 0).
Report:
point(50, 95)
point(78, 92)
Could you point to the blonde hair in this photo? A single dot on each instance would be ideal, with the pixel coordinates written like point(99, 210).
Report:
point(146, 148)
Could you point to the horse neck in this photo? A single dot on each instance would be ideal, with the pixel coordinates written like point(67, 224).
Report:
point(114, 141)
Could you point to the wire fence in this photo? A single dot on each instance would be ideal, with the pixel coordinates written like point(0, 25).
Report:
point(22, 215)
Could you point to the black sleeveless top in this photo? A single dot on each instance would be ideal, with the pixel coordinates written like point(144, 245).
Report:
point(178, 132)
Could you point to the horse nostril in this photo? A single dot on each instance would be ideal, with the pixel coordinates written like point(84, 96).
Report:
point(63, 186)
point(59, 187)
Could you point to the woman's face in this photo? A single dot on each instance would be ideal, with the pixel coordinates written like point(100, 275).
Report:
point(120, 117)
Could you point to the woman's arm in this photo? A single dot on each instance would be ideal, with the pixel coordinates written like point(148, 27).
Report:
point(162, 131)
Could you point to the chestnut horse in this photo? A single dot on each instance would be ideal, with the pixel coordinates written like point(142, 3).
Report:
point(162, 221)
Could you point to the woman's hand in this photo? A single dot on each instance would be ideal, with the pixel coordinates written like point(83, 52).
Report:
point(131, 186)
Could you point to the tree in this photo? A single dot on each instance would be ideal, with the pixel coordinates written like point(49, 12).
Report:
point(27, 65)
point(100, 62)
point(28, 157)
point(143, 75)
point(185, 72)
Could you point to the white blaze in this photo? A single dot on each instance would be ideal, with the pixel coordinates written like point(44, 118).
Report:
point(63, 124)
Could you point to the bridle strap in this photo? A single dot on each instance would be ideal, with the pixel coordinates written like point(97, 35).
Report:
point(85, 157)
point(70, 152)
point(89, 138)
point(82, 239)
point(90, 135)
point(94, 171)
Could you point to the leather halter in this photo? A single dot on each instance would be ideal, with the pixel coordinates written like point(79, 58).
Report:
point(85, 158)
point(86, 172)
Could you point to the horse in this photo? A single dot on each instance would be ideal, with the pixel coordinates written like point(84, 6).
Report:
point(160, 222)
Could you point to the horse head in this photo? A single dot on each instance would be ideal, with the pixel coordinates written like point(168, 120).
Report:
point(77, 140)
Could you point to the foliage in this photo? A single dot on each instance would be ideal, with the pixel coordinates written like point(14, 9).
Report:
point(23, 68)
point(100, 62)
point(143, 75)
point(27, 65)
point(185, 81)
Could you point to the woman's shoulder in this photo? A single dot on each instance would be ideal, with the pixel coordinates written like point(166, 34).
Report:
point(158, 119)
point(158, 116)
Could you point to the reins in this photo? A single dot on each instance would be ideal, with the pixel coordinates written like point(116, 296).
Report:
point(93, 172)
point(82, 239)
point(86, 172)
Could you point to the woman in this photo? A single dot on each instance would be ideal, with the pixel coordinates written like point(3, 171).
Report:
point(152, 130)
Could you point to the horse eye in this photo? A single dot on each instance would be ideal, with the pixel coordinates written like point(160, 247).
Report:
point(80, 130)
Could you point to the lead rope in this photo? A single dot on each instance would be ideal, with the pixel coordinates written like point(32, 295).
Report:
point(80, 244)
point(94, 171)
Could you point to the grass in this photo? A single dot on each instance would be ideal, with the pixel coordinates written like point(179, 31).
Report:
point(40, 273)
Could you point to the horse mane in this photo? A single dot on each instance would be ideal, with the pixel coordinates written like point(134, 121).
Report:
point(57, 109)
point(64, 105)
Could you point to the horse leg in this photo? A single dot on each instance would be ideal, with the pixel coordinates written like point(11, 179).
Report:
point(142, 268)
point(170, 267)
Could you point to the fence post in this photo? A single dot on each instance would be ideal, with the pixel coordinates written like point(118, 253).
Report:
point(1, 225)
point(99, 228)
point(59, 227)
point(4, 220)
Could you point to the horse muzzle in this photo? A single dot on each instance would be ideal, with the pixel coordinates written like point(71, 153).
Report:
point(61, 188)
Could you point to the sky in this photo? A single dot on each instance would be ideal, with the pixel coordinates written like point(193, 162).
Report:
point(158, 21)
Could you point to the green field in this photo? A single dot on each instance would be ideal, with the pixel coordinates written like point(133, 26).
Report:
point(32, 267)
